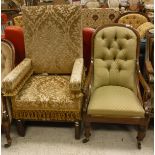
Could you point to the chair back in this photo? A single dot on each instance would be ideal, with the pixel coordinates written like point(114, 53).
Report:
point(53, 37)
point(7, 57)
point(132, 19)
point(115, 50)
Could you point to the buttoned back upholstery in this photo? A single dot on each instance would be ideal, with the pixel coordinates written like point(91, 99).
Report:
point(115, 57)
point(53, 37)
point(133, 19)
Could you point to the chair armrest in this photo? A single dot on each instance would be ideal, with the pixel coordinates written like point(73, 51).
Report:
point(149, 70)
point(13, 82)
point(77, 75)
point(146, 95)
point(149, 66)
point(87, 88)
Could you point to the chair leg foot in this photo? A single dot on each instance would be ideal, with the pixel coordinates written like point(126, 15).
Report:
point(87, 132)
point(20, 128)
point(85, 140)
point(77, 130)
point(6, 126)
point(139, 145)
point(141, 135)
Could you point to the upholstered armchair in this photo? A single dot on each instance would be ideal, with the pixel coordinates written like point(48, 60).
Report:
point(47, 84)
point(7, 64)
point(136, 20)
point(111, 90)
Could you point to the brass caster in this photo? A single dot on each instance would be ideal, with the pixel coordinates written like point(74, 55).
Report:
point(85, 140)
point(139, 145)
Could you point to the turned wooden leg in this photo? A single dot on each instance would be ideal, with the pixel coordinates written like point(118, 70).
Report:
point(141, 135)
point(6, 122)
point(20, 127)
point(87, 132)
point(6, 127)
point(77, 130)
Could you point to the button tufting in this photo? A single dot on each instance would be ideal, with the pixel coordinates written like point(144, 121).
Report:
point(109, 46)
point(102, 36)
point(125, 58)
point(114, 57)
point(115, 37)
point(128, 37)
point(109, 67)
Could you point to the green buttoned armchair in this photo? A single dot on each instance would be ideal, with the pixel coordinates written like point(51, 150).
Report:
point(111, 92)
point(47, 84)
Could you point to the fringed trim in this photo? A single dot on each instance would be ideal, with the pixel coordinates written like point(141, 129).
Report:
point(19, 86)
point(47, 115)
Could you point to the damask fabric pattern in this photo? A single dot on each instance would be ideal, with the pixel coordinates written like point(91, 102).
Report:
point(53, 37)
point(47, 97)
point(7, 58)
point(16, 76)
point(18, 21)
point(76, 79)
point(134, 20)
point(95, 17)
point(142, 29)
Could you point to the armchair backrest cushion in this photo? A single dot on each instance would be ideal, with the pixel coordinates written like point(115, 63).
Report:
point(114, 52)
point(7, 57)
point(53, 37)
point(133, 19)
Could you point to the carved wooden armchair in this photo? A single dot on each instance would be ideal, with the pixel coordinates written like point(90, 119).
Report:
point(111, 91)
point(46, 85)
point(7, 64)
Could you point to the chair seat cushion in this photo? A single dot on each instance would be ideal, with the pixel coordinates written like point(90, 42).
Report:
point(47, 97)
point(115, 101)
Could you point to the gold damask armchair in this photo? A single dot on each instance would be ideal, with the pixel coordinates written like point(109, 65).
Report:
point(136, 20)
point(111, 91)
point(46, 85)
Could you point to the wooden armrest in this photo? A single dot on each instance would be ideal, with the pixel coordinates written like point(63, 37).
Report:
point(143, 82)
point(88, 79)
point(87, 88)
point(146, 95)
point(149, 67)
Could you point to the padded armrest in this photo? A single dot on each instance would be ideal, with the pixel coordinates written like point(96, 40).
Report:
point(18, 76)
point(77, 75)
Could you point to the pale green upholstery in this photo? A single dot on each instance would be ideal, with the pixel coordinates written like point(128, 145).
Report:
point(115, 101)
point(114, 90)
point(115, 57)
